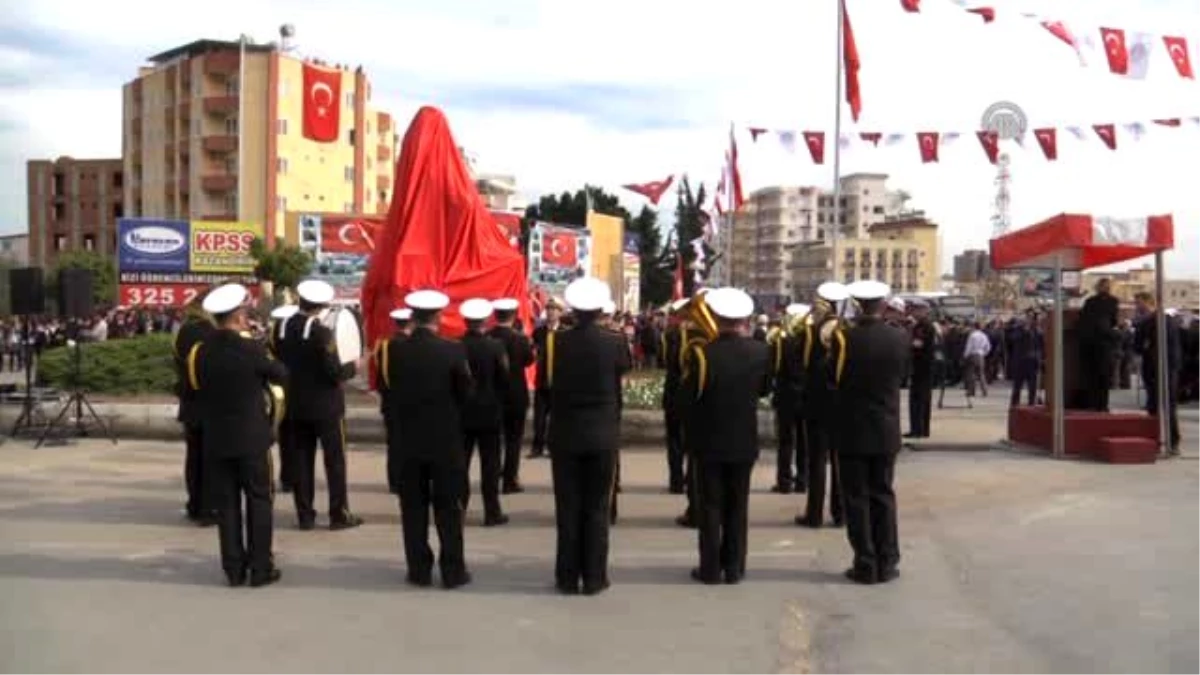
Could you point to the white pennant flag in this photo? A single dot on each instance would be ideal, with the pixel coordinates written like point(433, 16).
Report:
point(788, 140)
point(844, 141)
point(949, 137)
point(1194, 120)
point(1077, 132)
point(1139, 48)
point(893, 139)
point(1136, 130)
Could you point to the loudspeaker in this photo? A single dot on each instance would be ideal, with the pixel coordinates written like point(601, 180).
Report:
point(26, 291)
point(75, 292)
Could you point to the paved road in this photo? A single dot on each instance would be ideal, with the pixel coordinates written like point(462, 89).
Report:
point(1011, 563)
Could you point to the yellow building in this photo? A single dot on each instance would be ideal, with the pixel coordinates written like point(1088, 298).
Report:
point(902, 252)
point(186, 119)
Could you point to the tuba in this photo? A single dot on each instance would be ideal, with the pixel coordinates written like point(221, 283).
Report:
point(701, 316)
point(274, 399)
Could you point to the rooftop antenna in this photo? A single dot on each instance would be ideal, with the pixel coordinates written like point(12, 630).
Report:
point(286, 32)
point(1001, 218)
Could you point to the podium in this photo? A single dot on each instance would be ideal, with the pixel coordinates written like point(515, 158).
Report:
point(1070, 356)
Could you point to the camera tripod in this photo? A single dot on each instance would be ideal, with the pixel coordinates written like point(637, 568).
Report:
point(78, 401)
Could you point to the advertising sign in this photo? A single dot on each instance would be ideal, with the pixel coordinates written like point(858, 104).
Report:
point(340, 245)
point(1040, 283)
point(631, 274)
point(222, 247)
point(148, 245)
point(557, 255)
point(166, 295)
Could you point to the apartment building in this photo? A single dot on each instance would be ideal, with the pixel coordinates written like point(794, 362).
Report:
point(74, 205)
point(500, 193)
point(194, 109)
point(972, 265)
point(902, 251)
point(14, 250)
point(1177, 293)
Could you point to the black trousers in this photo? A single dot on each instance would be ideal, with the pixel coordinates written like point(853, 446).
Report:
point(791, 469)
point(514, 437)
point(287, 456)
point(582, 490)
point(235, 478)
point(488, 441)
point(920, 405)
point(674, 425)
point(1025, 376)
point(724, 508)
point(616, 489)
point(541, 420)
point(820, 453)
point(437, 485)
point(332, 435)
point(871, 511)
point(199, 491)
point(1095, 375)
point(392, 461)
point(1151, 380)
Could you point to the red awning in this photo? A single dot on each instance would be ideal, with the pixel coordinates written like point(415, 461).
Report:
point(1082, 241)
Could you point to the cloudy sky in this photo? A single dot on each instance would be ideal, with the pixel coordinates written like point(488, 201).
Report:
point(561, 93)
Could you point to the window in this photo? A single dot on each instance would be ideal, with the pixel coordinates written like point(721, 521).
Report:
point(116, 211)
point(350, 99)
point(231, 204)
point(117, 181)
point(60, 242)
point(60, 211)
point(349, 174)
point(878, 210)
point(283, 88)
point(281, 165)
point(350, 136)
point(281, 127)
point(89, 242)
point(231, 87)
point(280, 203)
point(231, 125)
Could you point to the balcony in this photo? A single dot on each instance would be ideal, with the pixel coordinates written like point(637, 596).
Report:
point(220, 105)
point(184, 146)
point(383, 182)
point(219, 143)
point(183, 110)
point(218, 182)
point(222, 64)
point(383, 153)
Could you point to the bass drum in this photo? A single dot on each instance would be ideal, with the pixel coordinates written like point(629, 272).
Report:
point(347, 335)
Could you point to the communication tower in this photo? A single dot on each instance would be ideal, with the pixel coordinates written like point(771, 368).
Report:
point(1001, 220)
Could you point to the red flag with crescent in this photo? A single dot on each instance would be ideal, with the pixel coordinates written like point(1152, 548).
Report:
point(1177, 49)
point(322, 103)
point(351, 236)
point(653, 190)
point(560, 249)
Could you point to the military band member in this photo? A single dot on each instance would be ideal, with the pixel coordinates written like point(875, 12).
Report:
point(482, 416)
point(516, 394)
point(866, 363)
point(316, 406)
point(693, 338)
point(672, 342)
point(403, 319)
point(583, 370)
point(287, 452)
point(816, 407)
point(228, 374)
point(609, 322)
point(923, 357)
point(541, 394)
point(197, 326)
point(791, 469)
point(429, 386)
point(724, 381)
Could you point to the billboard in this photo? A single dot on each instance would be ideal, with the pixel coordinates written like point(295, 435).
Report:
point(631, 283)
point(341, 245)
point(151, 245)
point(557, 255)
point(1040, 283)
point(222, 247)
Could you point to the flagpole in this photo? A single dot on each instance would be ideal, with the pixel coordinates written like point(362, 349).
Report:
point(837, 142)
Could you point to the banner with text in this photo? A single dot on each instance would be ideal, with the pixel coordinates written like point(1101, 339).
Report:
point(223, 247)
point(169, 263)
point(151, 245)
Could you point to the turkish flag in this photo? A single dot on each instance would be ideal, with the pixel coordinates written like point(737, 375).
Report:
point(872, 137)
point(911, 5)
point(1170, 122)
point(351, 236)
point(928, 140)
point(653, 190)
point(988, 13)
point(815, 140)
point(322, 103)
point(851, 62)
point(1115, 50)
point(735, 173)
point(560, 249)
point(1177, 47)
point(1048, 139)
point(990, 140)
point(1108, 134)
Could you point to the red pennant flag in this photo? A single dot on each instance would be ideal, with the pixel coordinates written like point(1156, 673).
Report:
point(911, 5)
point(322, 103)
point(1048, 139)
point(815, 140)
point(1177, 47)
point(1115, 50)
point(872, 137)
point(735, 176)
point(851, 63)
point(988, 13)
point(990, 140)
point(653, 190)
point(928, 140)
point(1108, 134)
point(755, 132)
point(1172, 122)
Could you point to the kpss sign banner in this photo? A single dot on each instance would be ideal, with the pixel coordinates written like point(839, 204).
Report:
point(169, 263)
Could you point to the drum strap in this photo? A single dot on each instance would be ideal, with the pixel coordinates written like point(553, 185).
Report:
point(841, 357)
point(283, 327)
point(701, 370)
point(308, 326)
point(808, 344)
point(383, 364)
point(550, 358)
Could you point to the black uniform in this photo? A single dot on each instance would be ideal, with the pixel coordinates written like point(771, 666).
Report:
point(816, 411)
point(287, 450)
point(430, 387)
point(316, 410)
point(584, 366)
point(672, 342)
point(516, 401)
point(1146, 343)
point(384, 350)
point(791, 467)
point(1097, 341)
point(541, 393)
point(690, 517)
point(866, 363)
point(482, 419)
point(920, 388)
point(200, 507)
point(613, 509)
point(228, 374)
point(723, 383)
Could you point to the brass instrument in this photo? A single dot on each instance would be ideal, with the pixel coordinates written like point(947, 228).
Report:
point(701, 316)
point(274, 398)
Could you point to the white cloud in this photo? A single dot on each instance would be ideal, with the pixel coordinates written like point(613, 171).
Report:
point(755, 62)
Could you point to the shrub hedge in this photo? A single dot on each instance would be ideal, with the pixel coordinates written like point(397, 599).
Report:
point(138, 365)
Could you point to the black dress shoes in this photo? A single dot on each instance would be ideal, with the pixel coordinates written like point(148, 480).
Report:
point(511, 489)
point(236, 578)
point(260, 579)
point(493, 521)
point(346, 522)
point(861, 576)
point(596, 588)
point(698, 576)
point(888, 574)
point(419, 580)
point(805, 521)
point(456, 580)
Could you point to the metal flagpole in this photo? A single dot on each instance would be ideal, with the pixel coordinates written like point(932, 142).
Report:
point(1162, 386)
point(835, 232)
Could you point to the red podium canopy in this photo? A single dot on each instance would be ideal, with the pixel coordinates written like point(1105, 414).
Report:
point(438, 235)
point(1082, 241)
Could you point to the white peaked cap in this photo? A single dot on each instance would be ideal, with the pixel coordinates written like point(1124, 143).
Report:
point(427, 300)
point(897, 304)
point(610, 307)
point(832, 291)
point(678, 304)
point(730, 303)
point(587, 294)
point(505, 305)
point(797, 309)
point(402, 314)
point(475, 309)
point(1171, 311)
point(315, 291)
point(225, 299)
point(868, 289)
point(284, 311)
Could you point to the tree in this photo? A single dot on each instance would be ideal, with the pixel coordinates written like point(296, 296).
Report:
point(103, 269)
point(657, 264)
point(690, 224)
point(283, 266)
